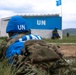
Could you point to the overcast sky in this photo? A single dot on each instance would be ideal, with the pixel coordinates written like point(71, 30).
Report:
point(20, 7)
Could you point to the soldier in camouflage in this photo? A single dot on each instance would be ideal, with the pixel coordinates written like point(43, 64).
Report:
point(28, 53)
point(18, 32)
point(55, 34)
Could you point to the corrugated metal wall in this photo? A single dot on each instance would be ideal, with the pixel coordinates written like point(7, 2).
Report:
point(40, 25)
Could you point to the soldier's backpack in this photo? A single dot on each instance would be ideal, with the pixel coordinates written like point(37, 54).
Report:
point(40, 51)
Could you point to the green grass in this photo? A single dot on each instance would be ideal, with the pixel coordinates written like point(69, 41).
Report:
point(5, 68)
point(2, 39)
point(71, 39)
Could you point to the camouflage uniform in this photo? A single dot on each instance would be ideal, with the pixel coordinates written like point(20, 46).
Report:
point(32, 57)
point(3, 49)
point(40, 59)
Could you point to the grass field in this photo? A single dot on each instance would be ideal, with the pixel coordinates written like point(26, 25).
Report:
point(71, 39)
point(5, 68)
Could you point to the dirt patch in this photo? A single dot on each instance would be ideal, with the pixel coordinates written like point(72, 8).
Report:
point(68, 50)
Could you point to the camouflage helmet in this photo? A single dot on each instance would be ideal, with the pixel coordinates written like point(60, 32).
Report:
point(16, 24)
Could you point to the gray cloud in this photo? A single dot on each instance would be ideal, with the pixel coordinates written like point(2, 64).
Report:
point(18, 9)
point(8, 8)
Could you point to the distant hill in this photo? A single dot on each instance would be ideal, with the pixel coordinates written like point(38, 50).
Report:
point(71, 31)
